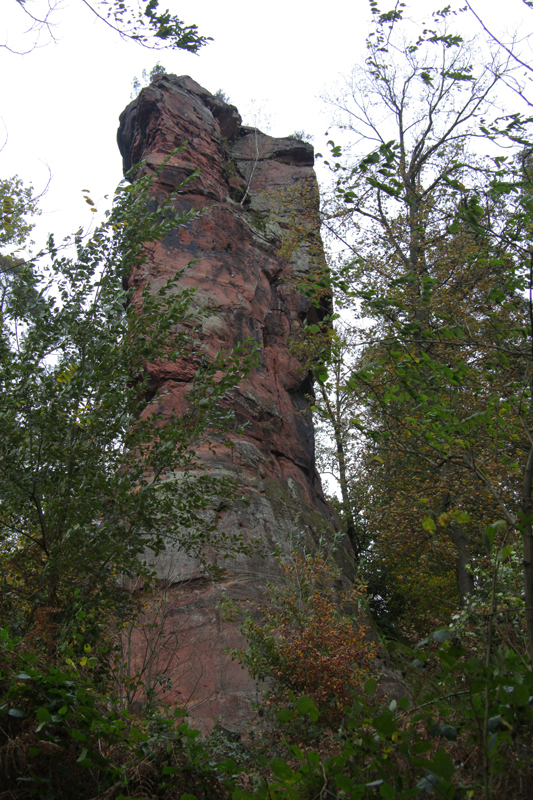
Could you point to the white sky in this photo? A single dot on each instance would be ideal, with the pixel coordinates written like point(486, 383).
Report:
point(60, 103)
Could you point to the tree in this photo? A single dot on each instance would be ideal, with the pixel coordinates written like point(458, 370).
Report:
point(404, 511)
point(334, 410)
point(420, 268)
point(142, 23)
point(16, 202)
point(91, 483)
point(147, 78)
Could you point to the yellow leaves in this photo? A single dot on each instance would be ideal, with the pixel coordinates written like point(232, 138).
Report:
point(67, 374)
point(89, 202)
point(444, 519)
point(6, 212)
point(85, 661)
point(429, 525)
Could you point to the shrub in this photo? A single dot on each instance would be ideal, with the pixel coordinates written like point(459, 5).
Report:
point(63, 735)
point(311, 638)
point(465, 732)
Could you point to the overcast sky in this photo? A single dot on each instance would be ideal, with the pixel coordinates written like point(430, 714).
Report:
point(60, 103)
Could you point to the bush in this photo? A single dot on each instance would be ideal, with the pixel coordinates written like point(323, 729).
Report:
point(468, 734)
point(465, 731)
point(62, 735)
point(311, 639)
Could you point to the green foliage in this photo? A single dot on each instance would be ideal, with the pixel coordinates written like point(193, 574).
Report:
point(154, 28)
point(464, 729)
point(147, 78)
point(93, 484)
point(136, 20)
point(63, 735)
point(17, 202)
point(434, 373)
point(222, 96)
point(410, 747)
point(470, 622)
point(18, 206)
point(301, 136)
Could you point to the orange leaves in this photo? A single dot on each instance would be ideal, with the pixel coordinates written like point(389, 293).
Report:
point(307, 643)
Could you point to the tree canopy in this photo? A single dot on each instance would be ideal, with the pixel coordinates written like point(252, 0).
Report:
point(430, 368)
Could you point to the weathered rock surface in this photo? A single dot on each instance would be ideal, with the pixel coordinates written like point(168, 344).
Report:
point(257, 237)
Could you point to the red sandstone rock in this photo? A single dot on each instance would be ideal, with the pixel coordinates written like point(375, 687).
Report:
point(257, 236)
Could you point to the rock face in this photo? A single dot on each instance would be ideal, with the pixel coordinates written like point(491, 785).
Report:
point(257, 237)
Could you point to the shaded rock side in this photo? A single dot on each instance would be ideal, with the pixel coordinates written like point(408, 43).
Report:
point(256, 238)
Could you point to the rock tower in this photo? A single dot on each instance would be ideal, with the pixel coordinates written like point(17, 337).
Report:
point(258, 235)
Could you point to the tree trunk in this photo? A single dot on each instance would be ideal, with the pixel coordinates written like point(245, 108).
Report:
point(527, 534)
point(341, 461)
point(527, 491)
point(459, 537)
point(465, 579)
